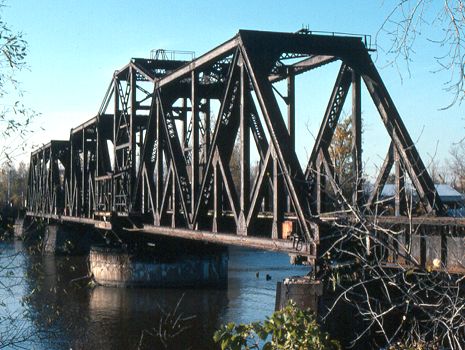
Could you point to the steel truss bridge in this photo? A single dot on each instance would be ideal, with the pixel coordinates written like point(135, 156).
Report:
point(169, 151)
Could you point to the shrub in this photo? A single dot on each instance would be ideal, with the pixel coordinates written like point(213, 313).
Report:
point(289, 328)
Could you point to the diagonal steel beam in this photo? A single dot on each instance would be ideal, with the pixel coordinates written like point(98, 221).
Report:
point(400, 136)
point(229, 186)
point(216, 54)
point(279, 136)
point(166, 194)
point(226, 129)
point(174, 152)
point(331, 117)
point(382, 176)
point(303, 66)
point(257, 193)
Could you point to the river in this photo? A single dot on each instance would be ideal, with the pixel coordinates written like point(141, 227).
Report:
point(47, 305)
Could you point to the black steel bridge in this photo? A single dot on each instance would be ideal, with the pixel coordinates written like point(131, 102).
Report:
point(169, 153)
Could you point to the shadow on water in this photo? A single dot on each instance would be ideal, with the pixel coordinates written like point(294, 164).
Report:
point(70, 313)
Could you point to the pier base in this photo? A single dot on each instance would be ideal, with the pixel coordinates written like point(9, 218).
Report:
point(303, 291)
point(116, 267)
point(21, 226)
point(29, 231)
point(67, 239)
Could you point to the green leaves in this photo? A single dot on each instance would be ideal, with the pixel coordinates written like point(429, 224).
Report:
point(15, 118)
point(242, 336)
point(289, 328)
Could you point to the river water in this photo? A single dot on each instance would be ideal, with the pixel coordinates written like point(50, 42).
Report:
point(45, 304)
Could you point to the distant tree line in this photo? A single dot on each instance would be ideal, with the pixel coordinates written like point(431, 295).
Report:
point(449, 171)
point(13, 187)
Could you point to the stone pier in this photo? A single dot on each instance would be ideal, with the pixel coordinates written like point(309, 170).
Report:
point(29, 231)
point(304, 291)
point(188, 268)
point(68, 239)
point(21, 227)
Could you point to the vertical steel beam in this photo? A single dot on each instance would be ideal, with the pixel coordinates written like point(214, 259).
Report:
point(158, 162)
point(244, 151)
point(116, 114)
point(195, 141)
point(184, 124)
point(320, 184)
point(51, 182)
point(207, 121)
point(132, 137)
point(84, 171)
point(99, 163)
point(357, 139)
point(174, 205)
point(217, 196)
point(69, 204)
point(400, 202)
point(278, 199)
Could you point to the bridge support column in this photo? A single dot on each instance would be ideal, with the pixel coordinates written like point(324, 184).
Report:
point(160, 267)
point(303, 291)
point(67, 239)
point(21, 227)
point(27, 230)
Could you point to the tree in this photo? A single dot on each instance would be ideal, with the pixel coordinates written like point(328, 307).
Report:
point(15, 118)
point(15, 121)
point(13, 184)
point(340, 152)
point(456, 164)
point(409, 19)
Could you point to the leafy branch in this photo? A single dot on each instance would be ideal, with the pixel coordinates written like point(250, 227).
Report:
point(289, 328)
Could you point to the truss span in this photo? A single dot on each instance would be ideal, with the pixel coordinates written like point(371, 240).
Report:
point(169, 150)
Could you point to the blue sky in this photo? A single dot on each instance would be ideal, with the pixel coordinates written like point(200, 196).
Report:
point(75, 46)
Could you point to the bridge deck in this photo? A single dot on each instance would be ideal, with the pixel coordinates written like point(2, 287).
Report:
point(430, 238)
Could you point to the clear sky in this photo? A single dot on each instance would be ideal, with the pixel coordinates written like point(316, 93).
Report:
point(74, 47)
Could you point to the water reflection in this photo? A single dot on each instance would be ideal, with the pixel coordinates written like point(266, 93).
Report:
point(66, 312)
point(112, 310)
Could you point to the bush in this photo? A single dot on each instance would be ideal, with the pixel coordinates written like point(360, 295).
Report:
point(289, 328)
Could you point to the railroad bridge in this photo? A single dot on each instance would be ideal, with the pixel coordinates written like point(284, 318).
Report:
point(205, 149)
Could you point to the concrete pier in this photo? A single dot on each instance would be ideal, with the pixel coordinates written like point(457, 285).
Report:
point(68, 239)
point(302, 290)
point(29, 231)
point(116, 267)
point(21, 226)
